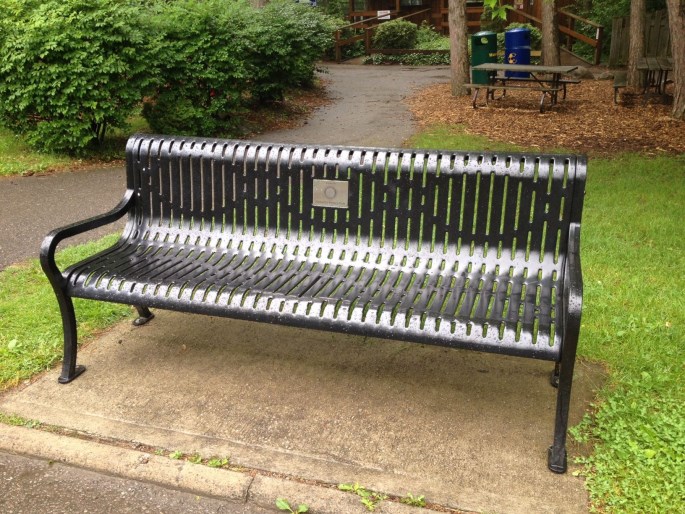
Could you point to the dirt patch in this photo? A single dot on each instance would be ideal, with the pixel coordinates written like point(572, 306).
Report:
point(587, 121)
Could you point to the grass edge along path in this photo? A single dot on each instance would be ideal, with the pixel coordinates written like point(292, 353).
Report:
point(30, 323)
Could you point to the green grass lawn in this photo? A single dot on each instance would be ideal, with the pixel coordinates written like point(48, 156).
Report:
point(16, 158)
point(633, 257)
point(30, 323)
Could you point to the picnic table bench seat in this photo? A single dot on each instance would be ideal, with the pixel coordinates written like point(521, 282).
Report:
point(472, 250)
point(491, 88)
point(562, 82)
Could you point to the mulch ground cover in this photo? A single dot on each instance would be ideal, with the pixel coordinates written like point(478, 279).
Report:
point(588, 121)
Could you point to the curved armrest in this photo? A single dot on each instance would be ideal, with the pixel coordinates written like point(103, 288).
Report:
point(573, 282)
point(49, 245)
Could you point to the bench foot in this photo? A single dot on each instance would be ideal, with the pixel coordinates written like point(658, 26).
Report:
point(554, 379)
point(68, 376)
point(144, 315)
point(556, 459)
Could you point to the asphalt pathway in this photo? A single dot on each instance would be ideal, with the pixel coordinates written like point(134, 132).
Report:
point(366, 110)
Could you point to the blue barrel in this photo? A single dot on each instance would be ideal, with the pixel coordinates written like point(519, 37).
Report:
point(517, 49)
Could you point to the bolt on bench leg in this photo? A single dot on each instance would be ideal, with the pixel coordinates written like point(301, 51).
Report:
point(69, 368)
point(144, 315)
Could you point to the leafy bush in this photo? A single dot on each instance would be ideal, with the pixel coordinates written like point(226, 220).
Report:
point(396, 34)
point(219, 56)
point(70, 69)
point(436, 59)
point(203, 71)
point(284, 44)
point(428, 39)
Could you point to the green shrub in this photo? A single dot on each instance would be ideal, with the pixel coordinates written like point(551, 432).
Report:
point(437, 59)
point(285, 42)
point(70, 69)
point(218, 56)
point(428, 39)
point(203, 73)
point(396, 34)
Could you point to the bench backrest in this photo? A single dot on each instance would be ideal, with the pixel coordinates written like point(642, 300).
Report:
point(504, 209)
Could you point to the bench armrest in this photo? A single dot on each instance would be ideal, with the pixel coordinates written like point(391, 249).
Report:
point(49, 245)
point(573, 285)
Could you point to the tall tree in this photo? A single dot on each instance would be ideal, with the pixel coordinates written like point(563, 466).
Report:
point(636, 50)
point(550, 33)
point(676, 23)
point(459, 50)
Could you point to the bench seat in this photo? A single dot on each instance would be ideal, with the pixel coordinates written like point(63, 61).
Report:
point(449, 302)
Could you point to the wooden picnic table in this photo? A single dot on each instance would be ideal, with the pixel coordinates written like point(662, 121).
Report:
point(656, 70)
point(546, 80)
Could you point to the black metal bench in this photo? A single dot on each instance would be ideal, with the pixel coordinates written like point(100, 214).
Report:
point(465, 250)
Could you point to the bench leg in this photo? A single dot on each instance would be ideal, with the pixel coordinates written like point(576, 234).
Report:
point(69, 368)
point(144, 315)
point(556, 455)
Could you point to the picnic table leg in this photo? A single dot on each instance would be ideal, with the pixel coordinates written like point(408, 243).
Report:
point(542, 102)
point(475, 96)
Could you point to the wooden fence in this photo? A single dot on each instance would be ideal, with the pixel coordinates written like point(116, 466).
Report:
point(657, 37)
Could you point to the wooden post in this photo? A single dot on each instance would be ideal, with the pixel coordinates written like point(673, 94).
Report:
point(598, 48)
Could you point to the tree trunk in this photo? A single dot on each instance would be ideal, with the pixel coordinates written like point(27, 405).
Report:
point(550, 33)
point(459, 51)
point(676, 23)
point(636, 50)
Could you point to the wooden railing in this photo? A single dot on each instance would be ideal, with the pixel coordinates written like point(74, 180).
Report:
point(363, 30)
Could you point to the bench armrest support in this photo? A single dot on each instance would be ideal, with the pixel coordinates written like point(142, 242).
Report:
point(573, 281)
point(49, 245)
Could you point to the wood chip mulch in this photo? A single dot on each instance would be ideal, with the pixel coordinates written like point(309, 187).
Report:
point(588, 121)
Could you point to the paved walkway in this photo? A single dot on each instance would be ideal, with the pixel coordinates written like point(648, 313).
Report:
point(298, 408)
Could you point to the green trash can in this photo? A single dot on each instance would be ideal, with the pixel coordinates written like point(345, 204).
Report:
point(483, 49)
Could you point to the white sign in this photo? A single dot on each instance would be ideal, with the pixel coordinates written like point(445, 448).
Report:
point(383, 15)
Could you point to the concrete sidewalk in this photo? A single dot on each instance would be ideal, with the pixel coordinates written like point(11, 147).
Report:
point(467, 430)
point(300, 411)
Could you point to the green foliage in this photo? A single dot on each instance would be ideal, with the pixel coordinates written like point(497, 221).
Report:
point(334, 8)
point(284, 44)
point(437, 59)
point(369, 499)
point(203, 73)
point(428, 39)
point(176, 455)
point(70, 69)
point(414, 501)
point(219, 56)
point(217, 462)
point(604, 13)
point(494, 15)
point(284, 504)
point(396, 34)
